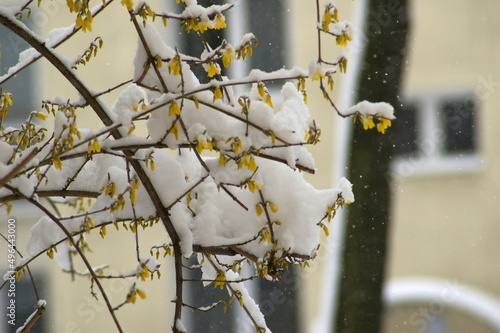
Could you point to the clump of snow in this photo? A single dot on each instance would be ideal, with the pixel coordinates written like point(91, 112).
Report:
point(365, 108)
point(43, 235)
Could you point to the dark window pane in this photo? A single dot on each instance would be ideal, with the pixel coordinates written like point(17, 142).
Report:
point(22, 86)
point(405, 130)
point(215, 320)
point(192, 43)
point(279, 302)
point(25, 304)
point(267, 23)
point(459, 122)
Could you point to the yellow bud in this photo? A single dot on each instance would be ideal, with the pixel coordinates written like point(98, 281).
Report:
point(102, 231)
point(159, 62)
point(211, 69)
point(217, 93)
point(41, 116)
point(269, 101)
point(131, 297)
point(57, 163)
point(222, 160)
point(261, 89)
point(228, 56)
point(129, 4)
point(141, 293)
point(196, 102)
point(273, 206)
point(133, 196)
point(174, 109)
point(258, 209)
point(174, 66)
point(220, 21)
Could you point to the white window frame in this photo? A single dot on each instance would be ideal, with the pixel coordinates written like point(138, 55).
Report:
point(431, 158)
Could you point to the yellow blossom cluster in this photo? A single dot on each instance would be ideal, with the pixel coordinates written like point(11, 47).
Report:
point(84, 17)
point(344, 39)
point(132, 295)
point(220, 280)
point(211, 68)
point(203, 144)
point(264, 94)
point(128, 3)
point(94, 147)
point(368, 123)
point(203, 24)
point(330, 15)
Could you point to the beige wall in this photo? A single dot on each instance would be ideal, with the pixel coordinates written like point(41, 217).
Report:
point(446, 224)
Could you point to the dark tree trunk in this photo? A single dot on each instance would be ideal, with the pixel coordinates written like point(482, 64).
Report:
point(360, 304)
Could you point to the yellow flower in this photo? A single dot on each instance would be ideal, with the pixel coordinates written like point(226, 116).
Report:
point(367, 122)
point(222, 160)
point(175, 131)
point(102, 231)
point(128, 3)
point(41, 116)
point(174, 109)
point(227, 56)
point(87, 24)
point(217, 93)
point(94, 147)
point(133, 196)
point(383, 124)
point(203, 144)
point(261, 89)
point(343, 65)
point(273, 206)
point(327, 20)
point(326, 231)
point(141, 293)
point(159, 62)
point(220, 21)
point(220, 280)
point(269, 101)
point(202, 26)
point(57, 163)
point(211, 69)
point(174, 66)
point(343, 39)
point(258, 209)
point(131, 297)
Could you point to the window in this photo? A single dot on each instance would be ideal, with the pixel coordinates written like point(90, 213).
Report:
point(22, 87)
point(265, 19)
point(26, 304)
point(435, 133)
